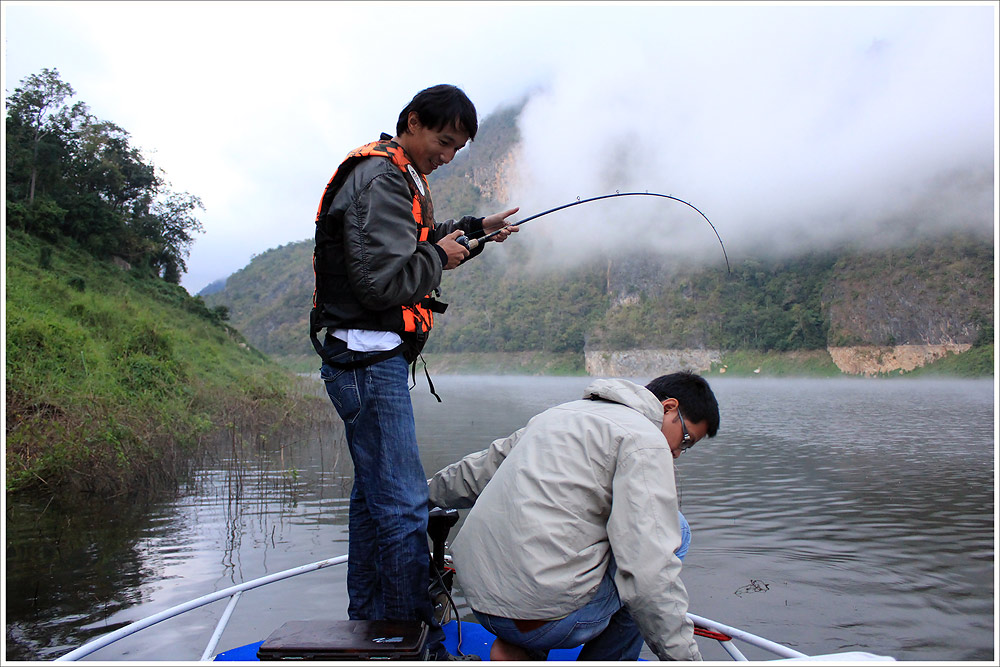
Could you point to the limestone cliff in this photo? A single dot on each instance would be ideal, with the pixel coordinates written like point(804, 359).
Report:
point(882, 360)
point(648, 363)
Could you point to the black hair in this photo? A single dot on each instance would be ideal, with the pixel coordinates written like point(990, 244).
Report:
point(694, 397)
point(439, 106)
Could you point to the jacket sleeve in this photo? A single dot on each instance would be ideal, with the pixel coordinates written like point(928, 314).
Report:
point(644, 531)
point(386, 265)
point(473, 227)
point(459, 485)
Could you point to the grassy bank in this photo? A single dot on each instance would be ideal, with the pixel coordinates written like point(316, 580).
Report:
point(803, 363)
point(506, 363)
point(114, 379)
point(977, 362)
point(974, 363)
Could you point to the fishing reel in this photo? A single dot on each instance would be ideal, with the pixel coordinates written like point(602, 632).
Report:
point(470, 244)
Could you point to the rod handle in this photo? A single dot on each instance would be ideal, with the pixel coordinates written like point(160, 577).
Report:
point(470, 244)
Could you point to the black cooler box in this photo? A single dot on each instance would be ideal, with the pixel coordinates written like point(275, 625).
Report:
point(346, 640)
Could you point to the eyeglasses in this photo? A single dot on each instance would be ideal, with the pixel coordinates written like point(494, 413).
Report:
point(687, 442)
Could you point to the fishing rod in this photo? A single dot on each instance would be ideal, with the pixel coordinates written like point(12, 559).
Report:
point(472, 244)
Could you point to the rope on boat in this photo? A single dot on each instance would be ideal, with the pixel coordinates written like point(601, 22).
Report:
point(711, 634)
point(749, 638)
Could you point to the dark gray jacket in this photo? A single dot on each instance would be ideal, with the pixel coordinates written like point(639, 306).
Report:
point(386, 265)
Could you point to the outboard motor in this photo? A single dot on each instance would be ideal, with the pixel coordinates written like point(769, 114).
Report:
point(439, 524)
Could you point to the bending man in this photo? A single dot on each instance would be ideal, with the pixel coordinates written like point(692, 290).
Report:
point(574, 524)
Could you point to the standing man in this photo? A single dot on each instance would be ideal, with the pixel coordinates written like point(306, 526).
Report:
point(574, 535)
point(379, 257)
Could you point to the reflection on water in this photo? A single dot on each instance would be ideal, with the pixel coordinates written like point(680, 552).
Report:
point(260, 502)
point(60, 579)
point(828, 515)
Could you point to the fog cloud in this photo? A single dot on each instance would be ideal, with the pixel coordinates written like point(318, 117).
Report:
point(810, 129)
point(789, 125)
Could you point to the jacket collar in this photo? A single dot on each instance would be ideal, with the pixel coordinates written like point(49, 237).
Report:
point(628, 394)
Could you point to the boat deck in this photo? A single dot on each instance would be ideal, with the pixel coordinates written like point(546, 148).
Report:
point(475, 640)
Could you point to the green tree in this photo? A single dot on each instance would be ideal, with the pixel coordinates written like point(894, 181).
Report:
point(106, 164)
point(170, 228)
point(44, 117)
point(73, 175)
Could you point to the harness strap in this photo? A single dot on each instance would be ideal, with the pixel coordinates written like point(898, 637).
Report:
point(357, 363)
point(413, 375)
point(374, 359)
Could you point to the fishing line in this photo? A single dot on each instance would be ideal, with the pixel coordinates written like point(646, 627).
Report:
point(472, 244)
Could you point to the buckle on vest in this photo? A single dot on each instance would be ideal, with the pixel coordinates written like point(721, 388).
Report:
point(433, 305)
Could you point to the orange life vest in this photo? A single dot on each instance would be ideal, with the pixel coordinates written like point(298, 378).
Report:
point(334, 304)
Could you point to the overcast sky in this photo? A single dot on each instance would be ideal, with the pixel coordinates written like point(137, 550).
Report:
point(787, 124)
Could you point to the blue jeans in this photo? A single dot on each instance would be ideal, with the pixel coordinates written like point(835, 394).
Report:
point(604, 626)
point(388, 561)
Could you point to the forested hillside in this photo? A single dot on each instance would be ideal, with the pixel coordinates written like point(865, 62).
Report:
point(269, 300)
point(116, 377)
point(936, 290)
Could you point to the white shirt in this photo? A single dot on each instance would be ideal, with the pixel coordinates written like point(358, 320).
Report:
point(363, 340)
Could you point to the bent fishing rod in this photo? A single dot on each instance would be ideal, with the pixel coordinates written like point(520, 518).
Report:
point(472, 244)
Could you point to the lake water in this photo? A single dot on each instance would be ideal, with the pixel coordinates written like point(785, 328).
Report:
point(827, 515)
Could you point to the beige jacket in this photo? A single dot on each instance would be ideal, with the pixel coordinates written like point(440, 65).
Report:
point(578, 482)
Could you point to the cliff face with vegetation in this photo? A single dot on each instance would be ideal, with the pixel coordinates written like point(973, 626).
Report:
point(936, 292)
point(901, 309)
point(863, 311)
point(608, 308)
